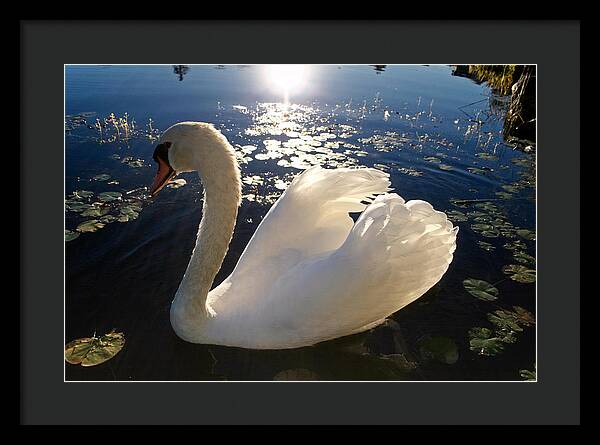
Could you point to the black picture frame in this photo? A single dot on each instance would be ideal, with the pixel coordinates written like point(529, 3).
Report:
point(47, 45)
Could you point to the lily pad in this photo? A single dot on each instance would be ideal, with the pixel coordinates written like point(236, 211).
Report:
point(95, 350)
point(487, 156)
point(527, 374)
point(70, 235)
point(505, 320)
point(504, 195)
point(481, 289)
point(101, 177)
point(456, 215)
point(442, 349)
point(90, 226)
point(481, 341)
point(76, 206)
point(445, 167)
point(519, 273)
point(524, 258)
point(109, 196)
point(432, 159)
point(81, 194)
point(485, 246)
point(527, 234)
point(96, 210)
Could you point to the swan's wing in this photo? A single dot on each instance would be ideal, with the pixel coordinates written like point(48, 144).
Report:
point(311, 217)
point(395, 252)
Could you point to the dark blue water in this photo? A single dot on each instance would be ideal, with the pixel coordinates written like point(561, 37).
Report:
point(439, 136)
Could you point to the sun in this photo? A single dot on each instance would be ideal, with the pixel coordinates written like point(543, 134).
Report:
point(287, 79)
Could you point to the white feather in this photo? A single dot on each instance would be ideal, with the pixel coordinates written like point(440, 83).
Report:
point(309, 273)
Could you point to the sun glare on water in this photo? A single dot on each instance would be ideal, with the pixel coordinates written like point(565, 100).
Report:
point(287, 79)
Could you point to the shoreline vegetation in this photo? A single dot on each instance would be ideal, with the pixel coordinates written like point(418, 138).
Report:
point(516, 81)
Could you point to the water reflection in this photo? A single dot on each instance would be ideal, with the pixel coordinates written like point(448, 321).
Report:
point(181, 70)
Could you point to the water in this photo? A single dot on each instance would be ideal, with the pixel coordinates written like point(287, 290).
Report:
point(425, 127)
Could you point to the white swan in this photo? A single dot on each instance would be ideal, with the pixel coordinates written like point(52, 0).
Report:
point(309, 273)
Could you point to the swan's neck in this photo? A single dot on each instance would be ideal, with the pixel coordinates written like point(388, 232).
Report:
point(222, 191)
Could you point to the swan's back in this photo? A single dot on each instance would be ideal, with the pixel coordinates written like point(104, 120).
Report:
point(310, 274)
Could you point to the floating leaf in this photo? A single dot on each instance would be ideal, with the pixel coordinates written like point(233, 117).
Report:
point(487, 156)
point(96, 210)
point(81, 194)
point(481, 289)
point(109, 196)
point(95, 350)
point(70, 235)
point(445, 167)
point(410, 171)
point(101, 177)
point(527, 375)
point(515, 245)
point(456, 215)
point(90, 226)
point(296, 374)
point(442, 349)
point(432, 159)
point(527, 234)
point(510, 188)
point(480, 340)
point(76, 206)
point(485, 246)
point(523, 316)
point(519, 273)
point(505, 320)
point(504, 195)
point(476, 171)
point(524, 258)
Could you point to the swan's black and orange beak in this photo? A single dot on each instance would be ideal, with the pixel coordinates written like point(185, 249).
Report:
point(165, 172)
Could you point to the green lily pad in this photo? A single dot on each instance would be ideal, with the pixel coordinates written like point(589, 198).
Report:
point(96, 210)
point(481, 289)
point(70, 235)
point(481, 341)
point(101, 177)
point(81, 194)
point(432, 159)
point(510, 188)
point(76, 206)
point(524, 258)
point(519, 273)
point(505, 320)
point(485, 246)
point(95, 350)
point(476, 171)
point(504, 195)
point(487, 156)
point(90, 226)
point(527, 234)
point(515, 245)
point(456, 215)
point(527, 374)
point(109, 196)
point(128, 212)
point(442, 349)
point(445, 167)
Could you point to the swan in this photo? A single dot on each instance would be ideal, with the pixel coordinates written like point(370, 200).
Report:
point(309, 273)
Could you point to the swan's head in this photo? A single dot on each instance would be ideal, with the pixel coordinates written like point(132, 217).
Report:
point(191, 146)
